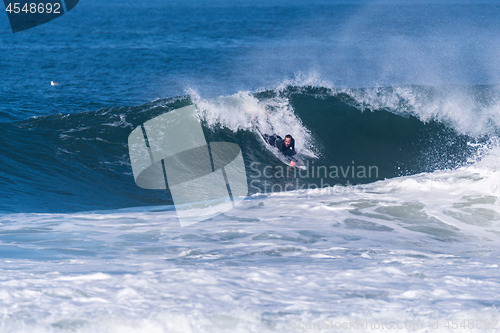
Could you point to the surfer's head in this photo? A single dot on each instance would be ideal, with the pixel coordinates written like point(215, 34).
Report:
point(288, 140)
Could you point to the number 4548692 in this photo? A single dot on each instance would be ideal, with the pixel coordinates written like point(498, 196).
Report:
point(471, 323)
point(34, 8)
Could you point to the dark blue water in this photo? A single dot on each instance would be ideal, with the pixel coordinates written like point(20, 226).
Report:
point(64, 148)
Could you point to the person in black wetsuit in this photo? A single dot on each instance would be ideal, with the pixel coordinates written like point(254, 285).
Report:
point(286, 146)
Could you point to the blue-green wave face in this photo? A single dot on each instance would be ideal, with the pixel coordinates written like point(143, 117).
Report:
point(77, 162)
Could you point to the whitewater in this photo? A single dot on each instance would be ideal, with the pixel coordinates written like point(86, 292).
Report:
point(410, 249)
point(419, 250)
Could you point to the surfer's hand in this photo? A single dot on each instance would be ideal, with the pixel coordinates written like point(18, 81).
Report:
point(292, 163)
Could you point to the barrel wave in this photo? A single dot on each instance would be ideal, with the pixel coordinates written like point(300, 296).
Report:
point(77, 162)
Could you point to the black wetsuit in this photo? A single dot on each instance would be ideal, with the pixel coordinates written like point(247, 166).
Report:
point(278, 142)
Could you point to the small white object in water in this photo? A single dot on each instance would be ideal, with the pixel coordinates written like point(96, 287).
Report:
point(52, 83)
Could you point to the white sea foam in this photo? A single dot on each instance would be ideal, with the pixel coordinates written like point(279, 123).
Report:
point(409, 249)
point(236, 112)
point(470, 111)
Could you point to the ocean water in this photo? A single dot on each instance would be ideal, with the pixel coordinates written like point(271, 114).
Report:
point(394, 106)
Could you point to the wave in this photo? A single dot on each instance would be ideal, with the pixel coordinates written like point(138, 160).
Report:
point(77, 162)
